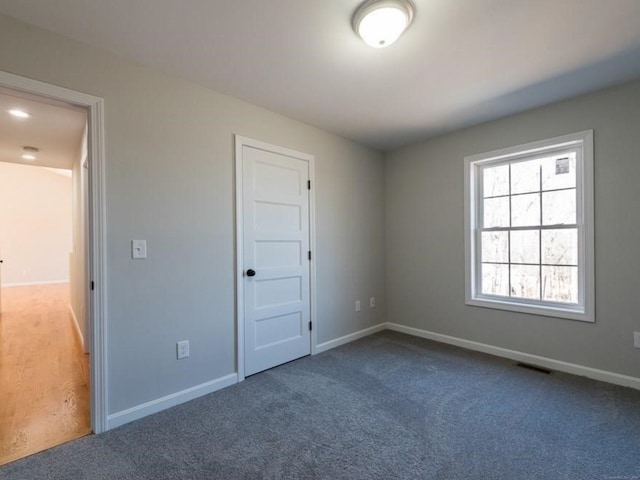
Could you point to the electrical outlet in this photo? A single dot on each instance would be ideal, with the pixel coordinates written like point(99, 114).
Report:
point(357, 305)
point(636, 339)
point(182, 349)
point(372, 302)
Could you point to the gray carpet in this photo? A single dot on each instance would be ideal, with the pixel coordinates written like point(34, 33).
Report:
point(387, 406)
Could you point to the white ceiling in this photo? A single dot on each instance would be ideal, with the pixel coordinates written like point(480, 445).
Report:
point(55, 129)
point(460, 63)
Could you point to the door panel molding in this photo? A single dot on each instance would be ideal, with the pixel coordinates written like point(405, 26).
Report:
point(240, 143)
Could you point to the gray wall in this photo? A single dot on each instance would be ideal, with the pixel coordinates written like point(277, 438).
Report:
point(35, 225)
point(424, 234)
point(169, 179)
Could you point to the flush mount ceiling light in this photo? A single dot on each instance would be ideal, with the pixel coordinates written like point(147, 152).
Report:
point(29, 153)
point(16, 112)
point(381, 22)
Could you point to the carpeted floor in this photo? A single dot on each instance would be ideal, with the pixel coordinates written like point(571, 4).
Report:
point(385, 407)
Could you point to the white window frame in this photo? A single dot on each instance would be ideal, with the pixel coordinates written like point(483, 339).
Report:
point(582, 142)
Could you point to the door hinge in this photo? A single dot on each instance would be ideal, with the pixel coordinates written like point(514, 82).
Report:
point(308, 184)
point(309, 255)
point(92, 285)
point(310, 326)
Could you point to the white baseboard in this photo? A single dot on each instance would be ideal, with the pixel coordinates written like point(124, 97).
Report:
point(28, 284)
point(77, 325)
point(157, 405)
point(154, 406)
point(550, 363)
point(323, 347)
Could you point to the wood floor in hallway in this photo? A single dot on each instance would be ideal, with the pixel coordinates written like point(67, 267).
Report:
point(44, 374)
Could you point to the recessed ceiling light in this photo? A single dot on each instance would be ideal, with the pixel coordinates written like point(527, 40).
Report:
point(16, 112)
point(381, 22)
point(29, 152)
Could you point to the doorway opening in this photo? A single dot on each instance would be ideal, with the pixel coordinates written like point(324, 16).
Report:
point(52, 297)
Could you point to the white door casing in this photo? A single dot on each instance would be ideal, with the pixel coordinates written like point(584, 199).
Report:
point(274, 219)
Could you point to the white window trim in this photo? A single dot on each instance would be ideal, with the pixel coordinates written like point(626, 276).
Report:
point(585, 211)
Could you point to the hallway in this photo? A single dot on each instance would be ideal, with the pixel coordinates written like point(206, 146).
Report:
point(44, 375)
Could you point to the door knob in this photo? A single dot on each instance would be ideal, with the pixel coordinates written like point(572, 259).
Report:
point(251, 273)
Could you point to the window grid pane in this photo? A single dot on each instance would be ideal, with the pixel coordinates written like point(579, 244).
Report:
point(560, 284)
point(525, 210)
point(495, 279)
point(525, 281)
point(495, 181)
point(559, 207)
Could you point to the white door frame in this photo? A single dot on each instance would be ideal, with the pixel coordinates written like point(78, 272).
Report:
point(240, 142)
point(95, 231)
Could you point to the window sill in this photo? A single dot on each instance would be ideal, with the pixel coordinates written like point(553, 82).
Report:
point(546, 311)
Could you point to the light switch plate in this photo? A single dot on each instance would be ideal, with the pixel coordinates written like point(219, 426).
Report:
point(138, 249)
point(636, 339)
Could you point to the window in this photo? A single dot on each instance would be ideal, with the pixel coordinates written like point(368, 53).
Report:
point(529, 228)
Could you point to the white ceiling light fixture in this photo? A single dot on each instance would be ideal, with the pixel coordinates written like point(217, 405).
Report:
point(381, 22)
point(29, 153)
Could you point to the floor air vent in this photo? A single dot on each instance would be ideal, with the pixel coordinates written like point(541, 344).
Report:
point(534, 368)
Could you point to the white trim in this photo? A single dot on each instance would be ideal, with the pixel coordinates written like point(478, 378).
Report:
point(168, 401)
point(28, 284)
point(588, 222)
point(96, 246)
point(323, 347)
point(513, 306)
point(550, 363)
point(239, 205)
point(532, 148)
point(97, 253)
point(241, 141)
point(314, 254)
point(77, 327)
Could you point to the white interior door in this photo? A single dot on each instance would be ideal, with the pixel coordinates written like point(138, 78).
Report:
point(275, 256)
